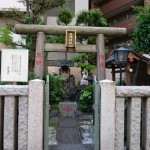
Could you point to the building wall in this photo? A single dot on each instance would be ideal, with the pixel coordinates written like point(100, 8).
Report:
point(119, 13)
point(12, 4)
point(109, 7)
point(75, 5)
point(81, 6)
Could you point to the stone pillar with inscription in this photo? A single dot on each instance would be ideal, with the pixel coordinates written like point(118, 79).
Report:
point(39, 56)
point(100, 48)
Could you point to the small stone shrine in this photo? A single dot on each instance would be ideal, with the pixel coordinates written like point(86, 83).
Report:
point(67, 107)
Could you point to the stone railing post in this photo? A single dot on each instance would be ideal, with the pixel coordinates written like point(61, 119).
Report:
point(107, 115)
point(35, 115)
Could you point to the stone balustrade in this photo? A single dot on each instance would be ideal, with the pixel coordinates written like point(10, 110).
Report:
point(21, 116)
point(125, 117)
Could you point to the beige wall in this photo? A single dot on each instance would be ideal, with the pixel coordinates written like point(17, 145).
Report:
point(4, 20)
point(81, 5)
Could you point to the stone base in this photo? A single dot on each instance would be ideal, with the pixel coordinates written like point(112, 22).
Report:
point(68, 109)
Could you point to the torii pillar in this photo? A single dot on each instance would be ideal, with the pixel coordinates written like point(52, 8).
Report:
point(100, 48)
point(39, 55)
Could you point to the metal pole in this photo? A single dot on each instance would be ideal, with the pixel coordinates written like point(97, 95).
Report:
point(120, 74)
point(96, 118)
point(46, 114)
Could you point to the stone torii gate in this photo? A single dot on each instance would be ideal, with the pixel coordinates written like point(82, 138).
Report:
point(41, 46)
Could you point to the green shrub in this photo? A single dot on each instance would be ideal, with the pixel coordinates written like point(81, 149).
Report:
point(56, 88)
point(86, 99)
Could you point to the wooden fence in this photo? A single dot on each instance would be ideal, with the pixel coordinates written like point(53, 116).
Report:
point(124, 117)
point(21, 116)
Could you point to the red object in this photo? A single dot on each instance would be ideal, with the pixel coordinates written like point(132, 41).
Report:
point(101, 65)
point(68, 109)
point(101, 57)
point(38, 62)
point(38, 55)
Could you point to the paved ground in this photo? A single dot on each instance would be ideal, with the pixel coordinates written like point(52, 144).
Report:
point(68, 131)
point(68, 135)
point(71, 147)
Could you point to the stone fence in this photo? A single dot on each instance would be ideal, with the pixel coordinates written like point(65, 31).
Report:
point(122, 128)
point(21, 116)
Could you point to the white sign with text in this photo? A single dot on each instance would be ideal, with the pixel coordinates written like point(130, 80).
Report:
point(14, 65)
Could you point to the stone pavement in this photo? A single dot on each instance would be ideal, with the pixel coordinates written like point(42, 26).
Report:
point(68, 134)
point(71, 147)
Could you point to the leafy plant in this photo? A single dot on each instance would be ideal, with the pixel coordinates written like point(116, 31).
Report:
point(6, 36)
point(37, 13)
point(93, 17)
point(86, 99)
point(56, 39)
point(82, 62)
point(65, 16)
point(56, 88)
point(141, 36)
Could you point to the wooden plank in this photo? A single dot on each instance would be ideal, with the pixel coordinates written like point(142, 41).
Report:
point(23, 123)
point(9, 123)
point(128, 74)
point(119, 124)
point(80, 48)
point(133, 120)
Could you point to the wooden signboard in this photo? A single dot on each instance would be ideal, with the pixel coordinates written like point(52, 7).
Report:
point(71, 38)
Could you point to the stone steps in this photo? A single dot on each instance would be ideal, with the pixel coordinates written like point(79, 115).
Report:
point(68, 131)
point(71, 147)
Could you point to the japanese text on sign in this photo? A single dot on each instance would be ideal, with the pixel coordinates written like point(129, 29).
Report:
point(14, 65)
point(70, 38)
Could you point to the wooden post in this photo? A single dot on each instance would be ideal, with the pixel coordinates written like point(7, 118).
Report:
point(101, 73)
point(39, 57)
point(113, 73)
point(127, 73)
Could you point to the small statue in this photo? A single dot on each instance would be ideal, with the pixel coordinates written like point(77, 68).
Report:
point(84, 77)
